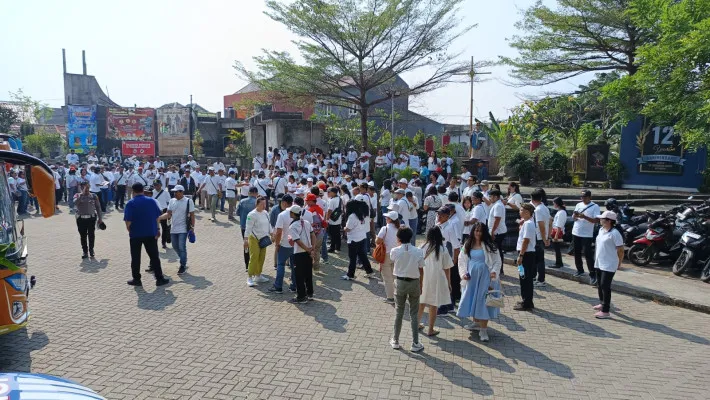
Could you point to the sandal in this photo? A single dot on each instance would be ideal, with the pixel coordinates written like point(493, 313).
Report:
point(432, 333)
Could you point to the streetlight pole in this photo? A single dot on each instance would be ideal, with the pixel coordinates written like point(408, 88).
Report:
point(392, 116)
point(471, 110)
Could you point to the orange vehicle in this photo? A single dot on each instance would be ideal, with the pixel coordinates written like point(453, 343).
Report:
point(14, 282)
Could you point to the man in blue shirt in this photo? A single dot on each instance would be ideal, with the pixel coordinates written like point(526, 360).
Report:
point(141, 216)
point(245, 206)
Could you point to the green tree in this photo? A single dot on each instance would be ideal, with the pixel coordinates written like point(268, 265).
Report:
point(674, 77)
point(8, 117)
point(30, 111)
point(574, 38)
point(353, 50)
point(197, 142)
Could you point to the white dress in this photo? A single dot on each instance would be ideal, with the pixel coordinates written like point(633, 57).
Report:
point(435, 288)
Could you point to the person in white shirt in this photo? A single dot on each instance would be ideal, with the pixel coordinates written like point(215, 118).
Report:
point(120, 180)
point(91, 158)
point(258, 162)
point(412, 207)
point(280, 184)
point(230, 186)
point(541, 218)
point(515, 199)
point(351, 157)
point(387, 236)
point(479, 209)
point(163, 198)
point(219, 166)
point(464, 178)
point(365, 161)
point(181, 212)
point(191, 162)
point(72, 158)
point(213, 184)
point(526, 258)
point(172, 177)
point(357, 230)
point(470, 187)
point(558, 229)
point(270, 157)
point(334, 217)
point(609, 252)
point(380, 160)
point(300, 234)
point(402, 207)
point(257, 227)
point(408, 262)
point(585, 217)
point(496, 222)
point(222, 180)
point(414, 161)
point(158, 163)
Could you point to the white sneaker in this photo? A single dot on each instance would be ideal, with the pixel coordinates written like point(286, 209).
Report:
point(250, 282)
point(346, 278)
point(473, 327)
point(540, 284)
point(261, 279)
point(416, 347)
point(483, 335)
point(395, 344)
point(371, 275)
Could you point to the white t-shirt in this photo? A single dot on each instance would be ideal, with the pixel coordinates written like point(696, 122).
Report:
point(283, 221)
point(172, 178)
point(479, 213)
point(262, 185)
point(607, 259)
point(333, 204)
point(527, 231)
point(356, 229)
point(516, 199)
point(352, 156)
point(407, 261)
point(403, 210)
point(178, 221)
point(280, 184)
point(300, 230)
point(230, 185)
point(560, 220)
point(581, 227)
point(162, 197)
point(542, 214)
point(389, 235)
point(414, 161)
point(212, 184)
point(497, 210)
point(380, 161)
point(468, 216)
point(449, 231)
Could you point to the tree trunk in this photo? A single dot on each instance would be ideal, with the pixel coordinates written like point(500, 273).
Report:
point(363, 127)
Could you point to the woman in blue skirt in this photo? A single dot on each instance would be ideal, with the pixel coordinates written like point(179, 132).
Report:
point(479, 268)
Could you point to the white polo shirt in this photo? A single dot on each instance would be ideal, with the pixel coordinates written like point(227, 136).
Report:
point(527, 231)
point(605, 254)
point(407, 261)
point(581, 227)
point(300, 230)
point(356, 229)
point(542, 214)
point(497, 210)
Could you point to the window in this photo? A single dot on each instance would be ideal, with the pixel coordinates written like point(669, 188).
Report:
point(353, 111)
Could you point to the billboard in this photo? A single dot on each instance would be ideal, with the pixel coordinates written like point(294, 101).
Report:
point(597, 158)
point(660, 151)
point(138, 149)
point(173, 131)
point(81, 128)
point(130, 124)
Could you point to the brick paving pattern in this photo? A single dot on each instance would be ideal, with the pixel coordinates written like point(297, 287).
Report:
point(209, 336)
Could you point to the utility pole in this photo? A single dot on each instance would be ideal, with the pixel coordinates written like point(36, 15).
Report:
point(191, 125)
point(471, 110)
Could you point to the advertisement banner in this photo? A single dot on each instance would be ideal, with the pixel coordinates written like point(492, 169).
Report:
point(597, 157)
point(130, 124)
point(173, 131)
point(660, 152)
point(138, 149)
point(81, 128)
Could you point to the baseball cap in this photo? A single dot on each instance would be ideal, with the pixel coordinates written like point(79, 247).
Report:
point(371, 184)
point(586, 193)
point(210, 169)
point(400, 191)
point(608, 215)
point(393, 215)
point(403, 180)
point(309, 179)
point(311, 197)
point(484, 183)
point(295, 209)
point(178, 188)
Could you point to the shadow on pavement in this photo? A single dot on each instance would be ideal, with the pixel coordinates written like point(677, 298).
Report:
point(197, 282)
point(453, 372)
point(509, 323)
point(516, 351)
point(466, 350)
point(19, 345)
point(157, 300)
point(93, 266)
point(576, 324)
point(325, 314)
point(660, 328)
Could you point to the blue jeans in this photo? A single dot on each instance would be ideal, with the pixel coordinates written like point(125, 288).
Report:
point(382, 216)
point(284, 253)
point(413, 225)
point(180, 246)
point(22, 202)
point(367, 242)
point(221, 201)
point(324, 246)
point(70, 196)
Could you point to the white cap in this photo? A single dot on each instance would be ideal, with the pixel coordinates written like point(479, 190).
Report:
point(403, 180)
point(210, 169)
point(295, 209)
point(608, 215)
point(309, 179)
point(371, 184)
point(393, 215)
point(178, 188)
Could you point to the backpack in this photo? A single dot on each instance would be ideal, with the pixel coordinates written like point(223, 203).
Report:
point(338, 211)
point(317, 224)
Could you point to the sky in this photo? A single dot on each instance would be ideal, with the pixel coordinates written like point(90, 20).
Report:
point(148, 53)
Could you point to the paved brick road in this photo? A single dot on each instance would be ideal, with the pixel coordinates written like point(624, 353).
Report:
point(209, 336)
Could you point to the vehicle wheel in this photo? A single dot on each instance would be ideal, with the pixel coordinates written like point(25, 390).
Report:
point(640, 254)
point(705, 276)
point(683, 262)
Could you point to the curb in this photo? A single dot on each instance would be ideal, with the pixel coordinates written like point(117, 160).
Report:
point(643, 293)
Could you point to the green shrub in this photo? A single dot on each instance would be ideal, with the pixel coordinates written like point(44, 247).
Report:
point(522, 164)
point(614, 169)
point(557, 163)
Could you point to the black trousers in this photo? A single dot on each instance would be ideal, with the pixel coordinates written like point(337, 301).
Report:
point(165, 230)
point(246, 252)
point(498, 239)
point(120, 196)
point(540, 260)
point(335, 239)
point(57, 196)
point(558, 253)
point(455, 282)
point(604, 288)
point(357, 250)
point(170, 190)
point(526, 283)
point(87, 228)
point(303, 273)
point(583, 243)
point(151, 247)
point(102, 200)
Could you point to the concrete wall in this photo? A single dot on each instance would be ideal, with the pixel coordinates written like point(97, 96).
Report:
point(294, 134)
point(84, 90)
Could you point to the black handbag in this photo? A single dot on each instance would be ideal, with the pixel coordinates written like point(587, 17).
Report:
point(264, 242)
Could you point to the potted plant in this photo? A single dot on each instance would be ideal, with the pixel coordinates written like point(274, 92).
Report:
point(522, 164)
point(614, 171)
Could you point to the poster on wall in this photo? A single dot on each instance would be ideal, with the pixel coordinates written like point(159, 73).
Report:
point(130, 124)
point(138, 149)
point(81, 128)
point(173, 131)
point(660, 152)
point(597, 157)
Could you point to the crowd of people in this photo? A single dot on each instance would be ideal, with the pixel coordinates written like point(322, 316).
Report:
point(302, 207)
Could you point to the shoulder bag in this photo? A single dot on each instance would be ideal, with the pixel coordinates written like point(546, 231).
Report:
point(264, 241)
point(379, 254)
point(495, 298)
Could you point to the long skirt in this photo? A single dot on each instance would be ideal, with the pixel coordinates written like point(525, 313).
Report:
point(473, 300)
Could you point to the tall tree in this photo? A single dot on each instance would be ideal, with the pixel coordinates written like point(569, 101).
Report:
point(576, 37)
point(8, 117)
point(353, 50)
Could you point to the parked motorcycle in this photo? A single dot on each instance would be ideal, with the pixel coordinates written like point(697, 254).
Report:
point(695, 250)
point(656, 244)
